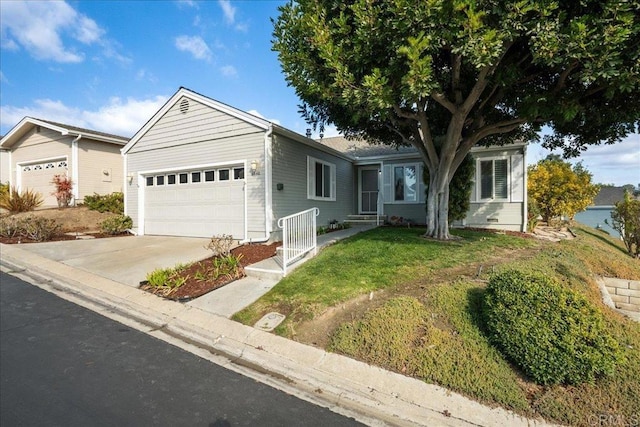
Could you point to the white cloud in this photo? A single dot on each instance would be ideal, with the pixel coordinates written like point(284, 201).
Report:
point(229, 71)
point(228, 10)
point(195, 46)
point(38, 27)
point(118, 116)
point(3, 78)
point(257, 114)
point(187, 3)
point(610, 164)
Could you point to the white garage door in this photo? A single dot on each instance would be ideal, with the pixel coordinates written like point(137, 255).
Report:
point(38, 176)
point(201, 203)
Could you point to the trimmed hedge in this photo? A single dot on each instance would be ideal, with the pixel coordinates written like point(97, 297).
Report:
point(555, 335)
point(113, 202)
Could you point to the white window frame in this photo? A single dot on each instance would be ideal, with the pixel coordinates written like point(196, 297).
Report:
point(311, 179)
point(493, 197)
point(389, 189)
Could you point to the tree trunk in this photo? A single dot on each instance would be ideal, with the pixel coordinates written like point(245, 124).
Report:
point(438, 205)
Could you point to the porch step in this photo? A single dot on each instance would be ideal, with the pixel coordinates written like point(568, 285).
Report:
point(365, 219)
point(271, 268)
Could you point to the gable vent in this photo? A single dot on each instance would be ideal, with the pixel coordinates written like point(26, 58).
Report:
point(184, 105)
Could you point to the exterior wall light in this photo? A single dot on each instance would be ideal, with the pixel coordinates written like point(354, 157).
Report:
point(254, 167)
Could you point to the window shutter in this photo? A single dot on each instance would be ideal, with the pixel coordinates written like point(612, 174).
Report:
point(517, 178)
point(387, 187)
point(501, 190)
point(421, 187)
point(332, 169)
point(311, 178)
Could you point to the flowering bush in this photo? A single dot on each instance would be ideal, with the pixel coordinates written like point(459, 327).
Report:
point(63, 191)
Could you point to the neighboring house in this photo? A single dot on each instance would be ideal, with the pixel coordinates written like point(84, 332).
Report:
point(603, 204)
point(201, 168)
point(5, 165)
point(39, 149)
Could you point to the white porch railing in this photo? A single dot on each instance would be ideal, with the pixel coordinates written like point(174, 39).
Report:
point(298, 236)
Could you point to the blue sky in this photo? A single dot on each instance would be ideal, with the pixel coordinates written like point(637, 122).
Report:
point(110, 65)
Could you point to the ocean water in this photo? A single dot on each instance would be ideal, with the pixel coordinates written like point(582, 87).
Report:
point(594, 217)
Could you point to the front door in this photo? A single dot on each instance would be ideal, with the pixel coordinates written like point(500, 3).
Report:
point(369, 190)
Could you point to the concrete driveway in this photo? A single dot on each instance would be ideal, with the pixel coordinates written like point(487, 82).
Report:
point(123, 259)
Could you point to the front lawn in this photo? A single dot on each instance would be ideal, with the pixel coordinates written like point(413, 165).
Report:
point(391, 298)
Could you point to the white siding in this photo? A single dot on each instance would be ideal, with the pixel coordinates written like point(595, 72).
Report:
point(503, 216)
point(202, 136)
point(5, 166)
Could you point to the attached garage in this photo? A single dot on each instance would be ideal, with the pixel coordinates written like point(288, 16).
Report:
point(201, 202)
point(37, 177)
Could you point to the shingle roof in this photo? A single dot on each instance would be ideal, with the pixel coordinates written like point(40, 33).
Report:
point(84, 130)
point(358, 148)
point(608, 196)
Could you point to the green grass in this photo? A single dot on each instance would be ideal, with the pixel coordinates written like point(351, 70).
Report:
point(373, 260)
point(430, 327)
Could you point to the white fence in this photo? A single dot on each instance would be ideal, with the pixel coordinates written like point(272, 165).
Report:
point(298, 236)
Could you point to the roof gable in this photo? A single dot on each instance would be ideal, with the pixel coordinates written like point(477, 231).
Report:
point(186, 93)
point(608, 196)
point(27, 123)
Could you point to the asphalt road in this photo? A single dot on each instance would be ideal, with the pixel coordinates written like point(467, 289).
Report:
point(61, 364)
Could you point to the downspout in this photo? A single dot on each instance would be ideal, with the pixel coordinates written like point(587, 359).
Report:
point(268, 199)
point(525, 205)
point(74, 167)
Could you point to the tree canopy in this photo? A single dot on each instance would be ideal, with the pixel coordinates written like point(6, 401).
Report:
point(444, 76)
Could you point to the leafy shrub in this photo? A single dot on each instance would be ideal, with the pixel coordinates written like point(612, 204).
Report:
point(228, 265)
point(220, 245)
point(533, 213)
point(31, 227)
point(625, 219)
point(40, 229)
point(11, 227)
point(555, 335)
point(63, 192)
point(25, 201)
point(116, 225)
point(4, 190)
point(167, 277)
point(113, 202)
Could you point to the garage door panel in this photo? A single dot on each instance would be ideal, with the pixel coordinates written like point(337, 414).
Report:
point(37, 177)
point(197, 210)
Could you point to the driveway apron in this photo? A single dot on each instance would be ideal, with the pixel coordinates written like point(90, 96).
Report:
point(125, 260)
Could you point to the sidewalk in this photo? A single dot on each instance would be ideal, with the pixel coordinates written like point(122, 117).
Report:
point(382, 397)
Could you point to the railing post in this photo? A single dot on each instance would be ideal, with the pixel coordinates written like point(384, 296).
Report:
point(298, 236)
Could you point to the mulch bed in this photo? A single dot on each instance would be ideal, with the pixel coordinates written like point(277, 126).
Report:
point(194, 288)
point(58, 238)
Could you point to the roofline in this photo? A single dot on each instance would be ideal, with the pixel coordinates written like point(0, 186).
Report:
point(310, 142)
point(63, 131)
point(242, 115)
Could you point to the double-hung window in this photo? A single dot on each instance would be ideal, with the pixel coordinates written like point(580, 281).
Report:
point(494, 179)
point(321, 180)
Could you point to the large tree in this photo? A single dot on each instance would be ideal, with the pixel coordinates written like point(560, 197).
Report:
point(444, 76)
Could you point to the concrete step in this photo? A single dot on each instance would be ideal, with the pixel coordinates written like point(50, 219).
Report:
point(365, 219)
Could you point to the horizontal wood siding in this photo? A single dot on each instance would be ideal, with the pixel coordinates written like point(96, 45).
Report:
point(508, 216)
point(94, 158)
point(37, 146)
point(198, 123)
point(5, 166)
point(210, 150)
point(45, 144)
point(290, 169)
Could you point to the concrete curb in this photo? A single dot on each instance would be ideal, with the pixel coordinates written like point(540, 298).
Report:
point(379, 395)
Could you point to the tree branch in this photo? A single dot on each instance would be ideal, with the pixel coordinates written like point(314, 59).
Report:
point(456, 66)
point(442, 100)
